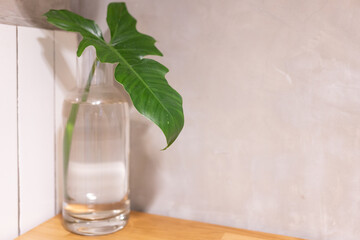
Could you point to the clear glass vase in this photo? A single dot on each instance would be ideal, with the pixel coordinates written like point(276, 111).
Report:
point(96, 156)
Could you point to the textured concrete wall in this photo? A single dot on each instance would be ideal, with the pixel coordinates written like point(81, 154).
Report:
point(272, 102)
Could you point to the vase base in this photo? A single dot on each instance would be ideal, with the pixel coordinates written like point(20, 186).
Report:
point(95, 227)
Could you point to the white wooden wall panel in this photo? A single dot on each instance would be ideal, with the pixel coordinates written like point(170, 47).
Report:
point(65, 80)
point(36, 126)
point(8, 136)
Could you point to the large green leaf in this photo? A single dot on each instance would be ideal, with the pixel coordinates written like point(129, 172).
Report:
point(144, 79)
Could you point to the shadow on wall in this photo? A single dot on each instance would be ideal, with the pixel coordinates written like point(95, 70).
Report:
point(143, 167)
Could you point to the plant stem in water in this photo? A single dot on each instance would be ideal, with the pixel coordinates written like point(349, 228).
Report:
point(69, 128)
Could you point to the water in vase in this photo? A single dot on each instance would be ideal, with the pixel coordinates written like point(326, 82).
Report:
point(96, 174)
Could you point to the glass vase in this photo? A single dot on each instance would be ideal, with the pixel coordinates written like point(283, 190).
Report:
point(96, 156)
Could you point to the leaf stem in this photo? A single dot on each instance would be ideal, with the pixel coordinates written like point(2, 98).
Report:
point(70, 124)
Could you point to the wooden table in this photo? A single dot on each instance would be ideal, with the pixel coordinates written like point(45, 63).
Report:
point(143, 226)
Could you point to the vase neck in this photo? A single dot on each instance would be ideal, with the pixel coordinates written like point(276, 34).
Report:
point(103, 75)
point(100, 74)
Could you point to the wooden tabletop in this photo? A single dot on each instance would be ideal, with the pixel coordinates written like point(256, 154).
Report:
point(143, 226)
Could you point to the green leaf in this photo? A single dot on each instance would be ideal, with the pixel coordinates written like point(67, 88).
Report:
point(144, 79)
